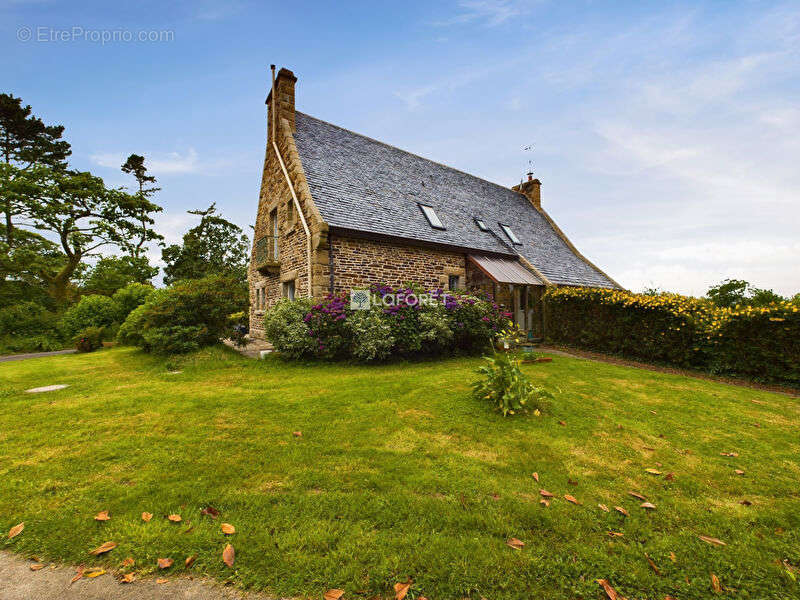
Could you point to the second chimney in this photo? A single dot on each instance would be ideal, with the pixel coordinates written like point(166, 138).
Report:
point(284, 90)
point(531, 189)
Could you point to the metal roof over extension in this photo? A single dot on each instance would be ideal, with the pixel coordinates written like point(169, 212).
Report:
point(505, 270)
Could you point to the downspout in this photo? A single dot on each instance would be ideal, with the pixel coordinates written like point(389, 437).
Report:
point(330, 258)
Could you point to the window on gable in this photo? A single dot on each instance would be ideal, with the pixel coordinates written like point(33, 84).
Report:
point(511, 235)
point(290, 213)
point(431, 215)
point(481, 224)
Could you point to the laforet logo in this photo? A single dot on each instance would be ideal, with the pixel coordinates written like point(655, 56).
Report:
point(359, 299)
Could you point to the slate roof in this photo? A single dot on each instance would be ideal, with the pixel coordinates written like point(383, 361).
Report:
point(365, 185)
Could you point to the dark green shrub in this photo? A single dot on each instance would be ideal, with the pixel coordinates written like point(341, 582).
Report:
point(130, 297)
point(28, 319)
point(90, 311)
point(189, 315)
point(507, 388)
point(285, 327)
point(90, 339)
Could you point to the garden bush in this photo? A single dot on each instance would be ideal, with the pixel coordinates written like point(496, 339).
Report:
point(330, 329)
point(507, 388)
point(28, 319)
point(188, 315)
point(90, 339)
point(93, 310)
point(130, 297)
point(759, 342)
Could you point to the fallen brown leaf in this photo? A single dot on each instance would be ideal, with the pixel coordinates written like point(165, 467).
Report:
point(165, 563)
point(228, 555)
point(37, 567)
point(146, 516)
point(648, 505)
point(190, 560)
point(102, 516)
point(637, 495)
point(161, 580)
point(570, 498)
point(731, 454)
point(333, 594)
point(175, 518)
point(297, 433)
point(107, 547)
point(515, 543)
point(653, 471)
point(652, 565)
point(228, 529)
point(535, 476)
point(669, 476)
point(128, 562)
point(715, 584)
point(16, 530)
point(672, 557)
point(78, 575)
point(127, 578)
point(572, 482)
point(544, 501)
point(738, 471)
point(711, 540)
point(610, 591)
point(562, 423)
point(615, 534)
point(619, 509)
point(401, 589)
point(603, 507)
point(210, 511)
point(746, 502)
point(546, 494)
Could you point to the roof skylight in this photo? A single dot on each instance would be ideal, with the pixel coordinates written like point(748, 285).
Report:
point(430, 214)
point(481, 225)
point(511, 235)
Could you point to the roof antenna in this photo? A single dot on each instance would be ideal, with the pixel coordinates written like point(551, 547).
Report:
point(530, 161)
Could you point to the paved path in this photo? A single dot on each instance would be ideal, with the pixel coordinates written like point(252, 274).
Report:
point(18, 582)
point(13, 357)
point(252, 349)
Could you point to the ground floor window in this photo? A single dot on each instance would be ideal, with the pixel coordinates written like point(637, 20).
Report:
point(453, 282)
point(288, 289)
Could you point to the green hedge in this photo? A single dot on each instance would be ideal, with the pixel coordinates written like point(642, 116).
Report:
point(761, 343)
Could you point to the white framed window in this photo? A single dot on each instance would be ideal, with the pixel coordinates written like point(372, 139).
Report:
point(510, 233)
point(430, 214)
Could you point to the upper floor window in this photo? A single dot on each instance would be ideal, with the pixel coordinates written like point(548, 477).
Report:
point(511, 235)
point(481, 224)
point(431, 215)
point(290, 213)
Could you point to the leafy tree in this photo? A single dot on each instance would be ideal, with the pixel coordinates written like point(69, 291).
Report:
point(759, 297)
point(112, 273)
point(134, 165)
point(215, 246)
point(83, 215)
point(729, 293)
point(25, 142)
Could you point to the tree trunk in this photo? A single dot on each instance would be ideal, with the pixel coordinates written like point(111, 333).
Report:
point(60, 281)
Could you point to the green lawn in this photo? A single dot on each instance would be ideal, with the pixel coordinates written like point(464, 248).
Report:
point(399, 474)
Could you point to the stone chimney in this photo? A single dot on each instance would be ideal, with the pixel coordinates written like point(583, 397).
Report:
point(531, 189)
point(284, 90)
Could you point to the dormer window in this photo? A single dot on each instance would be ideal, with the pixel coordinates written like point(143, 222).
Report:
point(430, 214)
point(481, 224)
point(511, 235)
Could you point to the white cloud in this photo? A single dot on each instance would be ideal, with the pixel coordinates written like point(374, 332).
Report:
point(488, 12)
point(167, 164)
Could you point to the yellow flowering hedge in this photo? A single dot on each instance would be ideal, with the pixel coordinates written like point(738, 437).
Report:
point(761, 342)
point(669, 328)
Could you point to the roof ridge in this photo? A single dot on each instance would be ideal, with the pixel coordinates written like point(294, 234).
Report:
point(366, 137)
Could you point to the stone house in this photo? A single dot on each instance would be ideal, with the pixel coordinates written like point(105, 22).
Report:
point(338, 210)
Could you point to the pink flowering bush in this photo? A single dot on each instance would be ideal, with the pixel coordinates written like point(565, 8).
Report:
point(403, 327)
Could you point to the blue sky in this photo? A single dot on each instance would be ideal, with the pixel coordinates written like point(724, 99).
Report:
point(665, 134)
